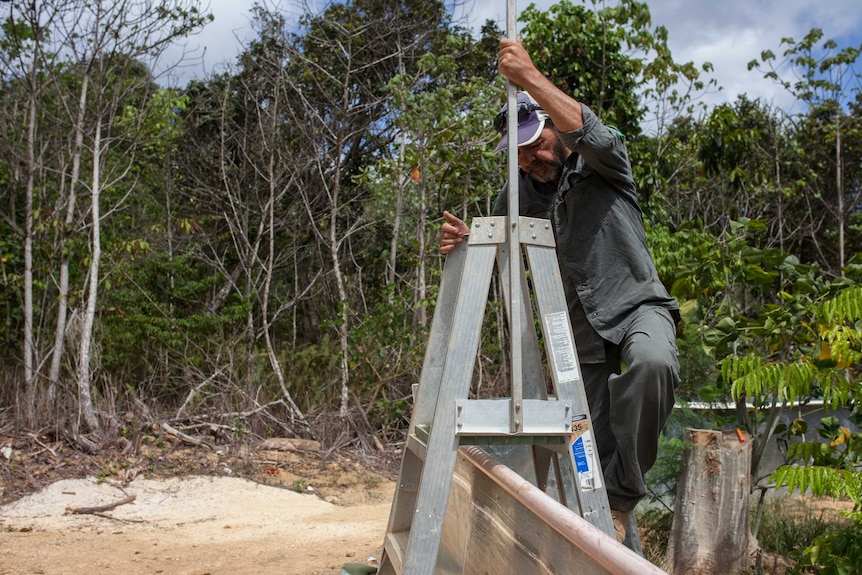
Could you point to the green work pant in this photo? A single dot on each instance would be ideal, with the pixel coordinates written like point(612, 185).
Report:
point(630, 397)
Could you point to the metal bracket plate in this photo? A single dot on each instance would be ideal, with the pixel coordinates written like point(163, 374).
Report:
point(492, 417)
point(490, 230)
point(536, 231)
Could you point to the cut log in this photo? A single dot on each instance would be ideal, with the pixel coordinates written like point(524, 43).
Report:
point(710, 533)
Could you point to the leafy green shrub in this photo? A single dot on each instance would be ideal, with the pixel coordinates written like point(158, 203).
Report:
point(787, 529)
point(830, 469)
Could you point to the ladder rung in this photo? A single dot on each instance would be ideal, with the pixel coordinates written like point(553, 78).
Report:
point(494, 417)
point(417, 442)
point(395, 546)
point(511, 439)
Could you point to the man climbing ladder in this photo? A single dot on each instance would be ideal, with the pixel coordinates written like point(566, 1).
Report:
point(575, 171)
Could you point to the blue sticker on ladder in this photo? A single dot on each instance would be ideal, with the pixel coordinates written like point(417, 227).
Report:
point(581, 461)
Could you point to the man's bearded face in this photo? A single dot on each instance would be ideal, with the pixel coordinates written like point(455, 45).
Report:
point(543, 159)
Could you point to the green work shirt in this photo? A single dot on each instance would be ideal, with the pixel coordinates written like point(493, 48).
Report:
point(608, 272)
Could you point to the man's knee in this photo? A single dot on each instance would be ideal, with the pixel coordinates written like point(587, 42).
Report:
point(652, 350)
point(657, 363)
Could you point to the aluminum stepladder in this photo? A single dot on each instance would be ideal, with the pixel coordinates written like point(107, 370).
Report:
point(545, 431)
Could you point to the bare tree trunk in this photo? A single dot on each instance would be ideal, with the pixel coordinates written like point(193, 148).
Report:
point(334, 248)
point(421, 284)
point(343, 302)
point(295, 412)
point(839, 188)
point(780, 195)
point(85, 396)
point(710, 533)
point(29, 334)
point(81, 34)
point(63, 287)
point(396, 224)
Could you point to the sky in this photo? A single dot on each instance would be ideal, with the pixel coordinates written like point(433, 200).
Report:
point(727, 33)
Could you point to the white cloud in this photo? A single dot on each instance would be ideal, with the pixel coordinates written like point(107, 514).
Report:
point(731, 33)
point(728, 34)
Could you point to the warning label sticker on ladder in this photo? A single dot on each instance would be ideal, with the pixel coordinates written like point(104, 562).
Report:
point(589, 475)
point(559, 335)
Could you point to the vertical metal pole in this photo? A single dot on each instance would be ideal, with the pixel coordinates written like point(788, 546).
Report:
point(514, 232)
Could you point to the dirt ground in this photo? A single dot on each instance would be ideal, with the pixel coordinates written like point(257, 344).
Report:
point(189, 510)
point(160, 506)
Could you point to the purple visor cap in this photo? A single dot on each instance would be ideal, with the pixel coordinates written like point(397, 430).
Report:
point(531, 122)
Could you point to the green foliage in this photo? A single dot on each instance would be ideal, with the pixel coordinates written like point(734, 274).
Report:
point(825, 79)
point(158, 123)
point(710, 275)
point(824, 336)
point(447, 116)
point(601, 74)
point(832, 470)
point(824, 68)
point(738, 143)
point(751, 378)
point(312, 369)
point(607, 74)
point(17, 37)
point(828, 468)
point(391, 414)
point(155, 325)
point(787, 527)
point(663, 476)
point(383, 364)
point(780, 332)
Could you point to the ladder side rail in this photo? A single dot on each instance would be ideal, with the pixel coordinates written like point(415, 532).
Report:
point(564, 365)
point(410, 472)
point(425, 532)
point(438, 338)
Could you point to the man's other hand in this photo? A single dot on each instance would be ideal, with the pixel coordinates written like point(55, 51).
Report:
point(452, 232)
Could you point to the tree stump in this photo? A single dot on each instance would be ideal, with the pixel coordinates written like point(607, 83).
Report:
point(710, 533)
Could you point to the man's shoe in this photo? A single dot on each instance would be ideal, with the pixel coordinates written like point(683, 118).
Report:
point(621, 523)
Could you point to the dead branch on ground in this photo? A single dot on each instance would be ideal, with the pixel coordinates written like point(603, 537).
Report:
point(99, 508)
point(185, 437)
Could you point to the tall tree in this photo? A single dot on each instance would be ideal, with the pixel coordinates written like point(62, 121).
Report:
point(286, 138)
point(749, 168)
point(115, 37)
point(351, 52)
point(253, 195)
point(827, 83)
point(26, 31)
point(90, 67)
point(610, 58)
